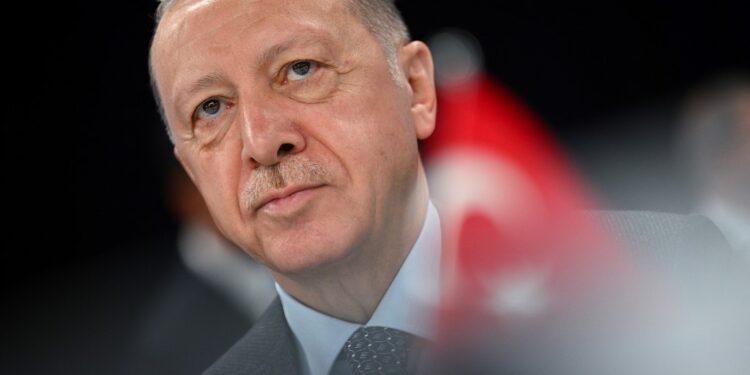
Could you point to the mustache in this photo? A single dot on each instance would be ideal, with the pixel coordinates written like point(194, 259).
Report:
point(292, 171)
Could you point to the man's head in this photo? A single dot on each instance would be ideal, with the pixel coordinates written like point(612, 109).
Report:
point(380, 17)
point(298, 121)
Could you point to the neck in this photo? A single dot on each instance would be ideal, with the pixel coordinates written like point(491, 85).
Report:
point(351, 289)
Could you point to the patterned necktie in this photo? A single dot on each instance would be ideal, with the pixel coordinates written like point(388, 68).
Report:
point(378, 350)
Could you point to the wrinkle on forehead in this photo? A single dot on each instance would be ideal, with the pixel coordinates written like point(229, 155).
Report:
point(188, 7)
point(176, 25)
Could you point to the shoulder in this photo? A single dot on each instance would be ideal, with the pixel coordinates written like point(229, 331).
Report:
point(687, 249)
point(268, 348)
point(666, 233)
point(649, 222)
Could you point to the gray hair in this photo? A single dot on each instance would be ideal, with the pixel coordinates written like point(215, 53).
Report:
point(380, 17)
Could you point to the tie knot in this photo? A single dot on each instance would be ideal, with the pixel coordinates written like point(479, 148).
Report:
point(380, 350)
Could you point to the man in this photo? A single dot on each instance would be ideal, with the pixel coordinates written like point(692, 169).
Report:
point(298, 121)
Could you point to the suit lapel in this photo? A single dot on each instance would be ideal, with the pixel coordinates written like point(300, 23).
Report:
point(268, 348)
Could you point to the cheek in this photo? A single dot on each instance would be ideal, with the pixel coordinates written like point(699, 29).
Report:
point(374, 119)
point(379, 155)
point(218, 175)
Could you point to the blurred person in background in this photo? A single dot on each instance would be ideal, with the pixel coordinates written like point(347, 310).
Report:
point(715, 142)
point(211, 257)
point(203, 292)
point(209, 293)
point(168, 304)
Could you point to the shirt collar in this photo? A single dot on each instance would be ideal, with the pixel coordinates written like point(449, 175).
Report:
point(407, 305)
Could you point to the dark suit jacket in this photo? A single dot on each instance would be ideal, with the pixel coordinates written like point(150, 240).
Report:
point(269, 348)
point(182, 324)
point(677, 245)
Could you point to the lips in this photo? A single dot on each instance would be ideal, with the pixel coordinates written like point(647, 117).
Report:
point(279, 196)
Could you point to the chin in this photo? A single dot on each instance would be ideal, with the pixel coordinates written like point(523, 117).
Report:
point(317, 238)
point(301, 262)
point(300, 255)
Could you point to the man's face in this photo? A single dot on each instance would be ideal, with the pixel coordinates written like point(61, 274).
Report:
point(287, 118)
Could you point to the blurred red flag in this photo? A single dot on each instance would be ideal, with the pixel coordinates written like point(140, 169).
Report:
point(506, 194)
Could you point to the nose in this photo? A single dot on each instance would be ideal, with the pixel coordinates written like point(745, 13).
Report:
point(268, 135)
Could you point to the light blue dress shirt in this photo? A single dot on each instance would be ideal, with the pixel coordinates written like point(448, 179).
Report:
point(408, 305)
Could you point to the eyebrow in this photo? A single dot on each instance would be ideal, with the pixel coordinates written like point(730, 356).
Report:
point(209, 80)
point(314, 36)
point(269, 55)
point(272, 53)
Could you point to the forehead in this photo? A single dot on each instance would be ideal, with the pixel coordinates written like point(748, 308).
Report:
point(191, 27)
point(188, 20)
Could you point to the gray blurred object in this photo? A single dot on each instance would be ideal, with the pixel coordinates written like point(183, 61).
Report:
point(457, 55)
point(715, 145)
point(692, 318)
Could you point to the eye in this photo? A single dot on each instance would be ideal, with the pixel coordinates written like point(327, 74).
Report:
point(300, 70)
point(209, 108)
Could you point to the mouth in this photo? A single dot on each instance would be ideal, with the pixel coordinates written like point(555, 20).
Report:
point(285, 200)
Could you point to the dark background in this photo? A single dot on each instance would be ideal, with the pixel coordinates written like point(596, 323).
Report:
point(604, 76)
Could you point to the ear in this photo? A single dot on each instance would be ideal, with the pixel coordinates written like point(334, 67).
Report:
point(417, 66)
